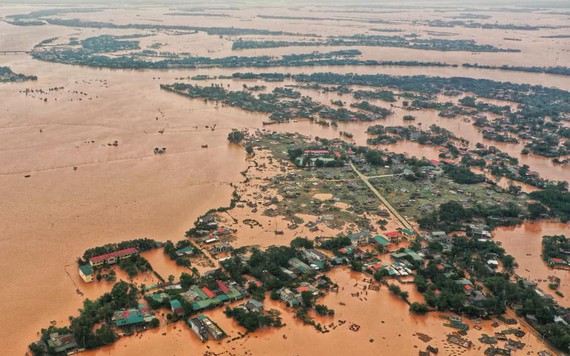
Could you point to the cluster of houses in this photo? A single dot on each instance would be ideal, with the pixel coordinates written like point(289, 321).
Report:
point(202, 298)
point(364, 238)
point(310, 157)
point(208, 228)
point(293, 296)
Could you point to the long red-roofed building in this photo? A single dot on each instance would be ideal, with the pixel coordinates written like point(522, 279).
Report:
point(208, 292)
point(112, 257)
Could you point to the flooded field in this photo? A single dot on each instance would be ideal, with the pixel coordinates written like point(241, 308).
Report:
point(78, 170)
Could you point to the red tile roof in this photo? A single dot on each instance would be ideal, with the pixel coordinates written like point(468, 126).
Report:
point(303, 289)
point(557, 260)
point(337, 154)
point(223, 287)
point(127, 251)
point(392, 234)
point(468, 287)
point(208, 292)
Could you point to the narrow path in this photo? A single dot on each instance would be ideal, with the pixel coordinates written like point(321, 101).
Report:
point(388, 206)
point(383, 176)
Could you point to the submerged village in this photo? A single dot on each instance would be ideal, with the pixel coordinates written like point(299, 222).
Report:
point(331, 205)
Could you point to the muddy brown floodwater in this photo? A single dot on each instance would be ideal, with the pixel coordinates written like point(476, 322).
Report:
point(83, 191)
point(524, 243)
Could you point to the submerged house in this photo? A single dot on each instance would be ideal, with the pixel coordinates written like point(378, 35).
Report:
point(213, 329)
point(62, 343)
point(86, 273)
point(176, 307)
point(198, 327)
point(128, 317)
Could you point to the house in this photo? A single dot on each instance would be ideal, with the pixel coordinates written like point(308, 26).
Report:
point(557, 262)
point(254, 306)
point(128, 317)
point(159, 297)
point(299, 265)
point(359, 239)
point(86, 273)
point(213, 329)
point(306, 287)
point(221, 247)
point(380, 240)
point(493, 264)
point(408, 255)
point(314, 256)
point(176, 307)
point(436, 236)
point(407, 232)
point(62, 343)
point(393, 236)
point(467, 285)
point(290, 274)
point(186, 251)
point(478, 231)
point(235, 292)
point(347, 250)
point(289, 297)
point(112, 258)
point(222, 286)
point(198, 327)
point(477, 299)
point(316, 153)
point(208, 292)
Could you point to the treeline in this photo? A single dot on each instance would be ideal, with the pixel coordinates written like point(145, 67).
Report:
point(557, 199)
point(452, 216)
point(410, 41)
point(143, 244)
point(548, 70)
point(7, 75)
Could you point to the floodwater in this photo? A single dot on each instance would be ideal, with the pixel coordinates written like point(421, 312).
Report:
point(524, 243)
point(83, 191)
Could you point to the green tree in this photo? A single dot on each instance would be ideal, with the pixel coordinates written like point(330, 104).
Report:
point(236, 136)
point(419, 308)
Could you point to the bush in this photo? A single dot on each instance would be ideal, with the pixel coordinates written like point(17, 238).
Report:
point(419, 308)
